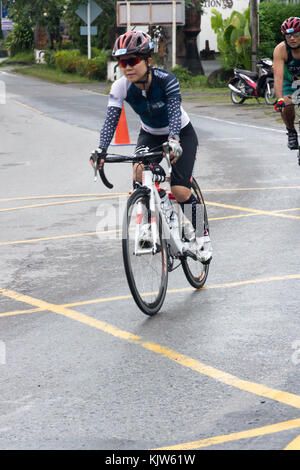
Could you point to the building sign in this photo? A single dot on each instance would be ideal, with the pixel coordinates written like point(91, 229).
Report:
point(150, 12)
point(218, 4)
point(7, 25)
point(225, 7)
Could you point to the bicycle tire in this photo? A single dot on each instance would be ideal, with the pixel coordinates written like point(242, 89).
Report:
point(140, 268)
point(196, 272)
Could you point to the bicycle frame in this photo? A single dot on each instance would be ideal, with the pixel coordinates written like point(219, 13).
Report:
point(171, 232)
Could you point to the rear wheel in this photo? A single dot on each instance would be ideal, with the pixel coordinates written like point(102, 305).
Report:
point(235, 98)
point(195, 271)
point(270, 96)
point(145, 262)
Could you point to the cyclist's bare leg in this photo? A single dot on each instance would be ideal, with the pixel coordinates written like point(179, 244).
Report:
point(137, 172)
point(288, 116)
point(181, 193)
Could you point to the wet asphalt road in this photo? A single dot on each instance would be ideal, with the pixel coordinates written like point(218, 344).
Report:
point(80, 366)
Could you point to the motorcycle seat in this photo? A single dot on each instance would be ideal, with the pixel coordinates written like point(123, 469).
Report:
point(253, 75)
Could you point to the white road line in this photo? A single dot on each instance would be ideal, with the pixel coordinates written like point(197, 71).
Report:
point(233, 123)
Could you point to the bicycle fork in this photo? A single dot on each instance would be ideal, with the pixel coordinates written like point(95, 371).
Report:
point(147, 182)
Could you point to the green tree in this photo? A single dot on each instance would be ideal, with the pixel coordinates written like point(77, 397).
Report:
point(233, 38)
point(271, 16)
point(40, 13)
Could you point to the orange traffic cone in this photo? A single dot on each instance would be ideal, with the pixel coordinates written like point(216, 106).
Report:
point(122, 134)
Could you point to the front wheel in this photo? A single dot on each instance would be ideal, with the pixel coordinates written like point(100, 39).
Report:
point(195, 272)
point(270, 96)
point(145, 253)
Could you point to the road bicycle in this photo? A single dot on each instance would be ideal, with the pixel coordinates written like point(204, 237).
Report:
point(154, 239)
point(296, 101)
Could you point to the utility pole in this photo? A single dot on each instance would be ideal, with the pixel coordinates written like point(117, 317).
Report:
point(89, 28)
point(174, 34)
point(128, 15)
point(254, 33)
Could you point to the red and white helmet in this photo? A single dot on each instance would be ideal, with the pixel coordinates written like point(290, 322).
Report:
point(133, 42)
point(291, 25)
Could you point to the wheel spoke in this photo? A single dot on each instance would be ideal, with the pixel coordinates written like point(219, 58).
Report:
point(196, 272)
point(145, 263)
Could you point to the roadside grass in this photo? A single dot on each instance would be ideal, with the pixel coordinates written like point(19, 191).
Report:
point(203, 93)
point(25, 58)
point(206, 94)
point(44, 72)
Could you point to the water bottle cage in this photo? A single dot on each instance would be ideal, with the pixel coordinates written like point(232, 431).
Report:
point(167, 212)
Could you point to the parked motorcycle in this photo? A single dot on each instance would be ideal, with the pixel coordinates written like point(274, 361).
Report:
point(246, 84)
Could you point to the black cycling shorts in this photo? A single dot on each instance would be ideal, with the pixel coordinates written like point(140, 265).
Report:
point(183, 168)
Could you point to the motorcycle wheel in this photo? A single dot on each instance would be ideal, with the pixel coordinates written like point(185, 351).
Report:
point(235, 98)
point(270, 98)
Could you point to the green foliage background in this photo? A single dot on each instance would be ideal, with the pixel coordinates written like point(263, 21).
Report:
point(271, 16)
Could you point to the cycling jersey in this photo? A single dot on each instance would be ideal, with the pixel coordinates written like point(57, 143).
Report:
point(291, 72)
point(159, 107)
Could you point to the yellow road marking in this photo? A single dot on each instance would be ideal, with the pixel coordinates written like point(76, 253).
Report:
point(58, 196)
point(172, 291)
point(59, 237)
point(45, 204)
point(294, 445)
point(29, 107)
point(20, 312)
point(248, 209)
point(185, 361)
point(210, 441)
point(189, 289)
point(56, 237)
point(84, 234)
point(231, 217)
point(219, 190)
point(288, 210)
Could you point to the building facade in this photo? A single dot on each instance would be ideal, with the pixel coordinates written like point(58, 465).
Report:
point(207, 38)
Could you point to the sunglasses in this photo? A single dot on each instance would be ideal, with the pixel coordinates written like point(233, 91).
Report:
point(131, 62)
point(295, 35)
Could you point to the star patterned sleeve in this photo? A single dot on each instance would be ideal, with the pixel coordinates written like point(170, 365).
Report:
point(174, 113)
point(110, 124)
point(173, 95)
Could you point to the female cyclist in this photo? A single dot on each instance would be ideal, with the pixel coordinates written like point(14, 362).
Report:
point(154, 94)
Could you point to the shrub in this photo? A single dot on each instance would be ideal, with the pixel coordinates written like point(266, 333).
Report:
point(49, 57)
point(183, 74)
point(271, 16)
point(65, 60)
point(20, 39)
point(97, 69)
point(72, 61)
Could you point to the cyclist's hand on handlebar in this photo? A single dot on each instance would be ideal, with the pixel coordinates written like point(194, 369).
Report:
point(175, 150)
point(279, 105)
point(98, 156)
